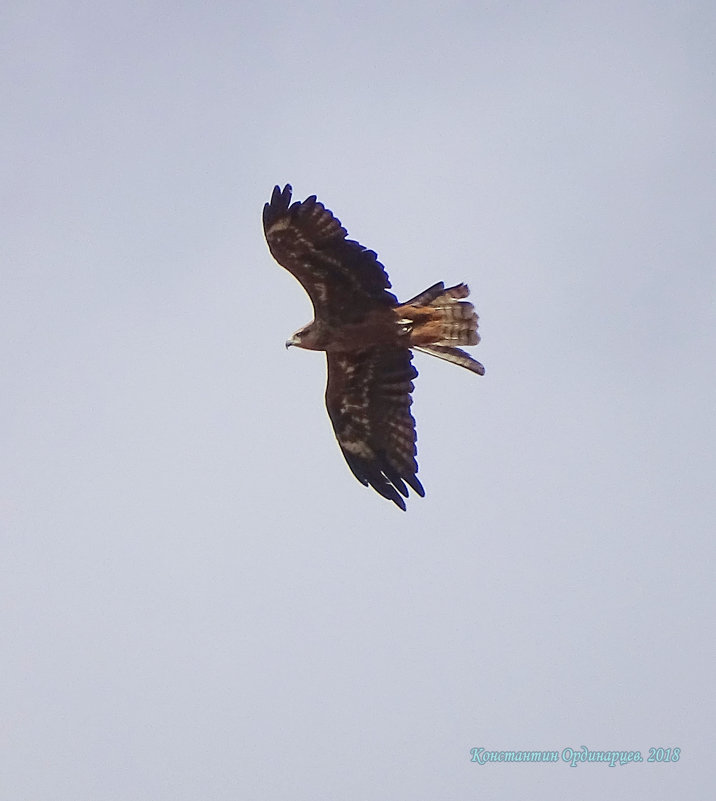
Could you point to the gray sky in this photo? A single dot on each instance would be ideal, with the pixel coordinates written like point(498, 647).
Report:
point(198, 600)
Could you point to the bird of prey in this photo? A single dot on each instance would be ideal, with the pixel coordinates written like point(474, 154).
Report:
point(367, 336)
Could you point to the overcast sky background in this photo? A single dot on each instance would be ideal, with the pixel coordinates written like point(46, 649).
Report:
point(198, 600)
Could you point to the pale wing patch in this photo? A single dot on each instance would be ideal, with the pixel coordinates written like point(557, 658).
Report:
point(358, 448)
point(281, 224)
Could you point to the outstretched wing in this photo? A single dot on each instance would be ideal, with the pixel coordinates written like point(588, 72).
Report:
point(342, 278)
point(368, 401)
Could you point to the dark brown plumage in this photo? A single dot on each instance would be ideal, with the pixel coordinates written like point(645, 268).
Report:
point(367, 336)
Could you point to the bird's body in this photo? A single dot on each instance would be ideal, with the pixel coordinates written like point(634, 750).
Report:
point(367, 336)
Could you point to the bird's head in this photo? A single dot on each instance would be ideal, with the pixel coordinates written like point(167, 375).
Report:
point(294, 340)
point(307, 337)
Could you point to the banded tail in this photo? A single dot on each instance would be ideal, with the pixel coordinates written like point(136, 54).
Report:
point(438, 320)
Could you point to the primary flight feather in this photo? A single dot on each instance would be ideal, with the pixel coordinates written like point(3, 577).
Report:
point(367, 336)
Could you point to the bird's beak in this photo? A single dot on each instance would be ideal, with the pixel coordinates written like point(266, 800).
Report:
point(290, 342)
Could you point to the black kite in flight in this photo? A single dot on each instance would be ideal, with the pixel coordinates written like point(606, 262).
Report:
point(367, 336)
